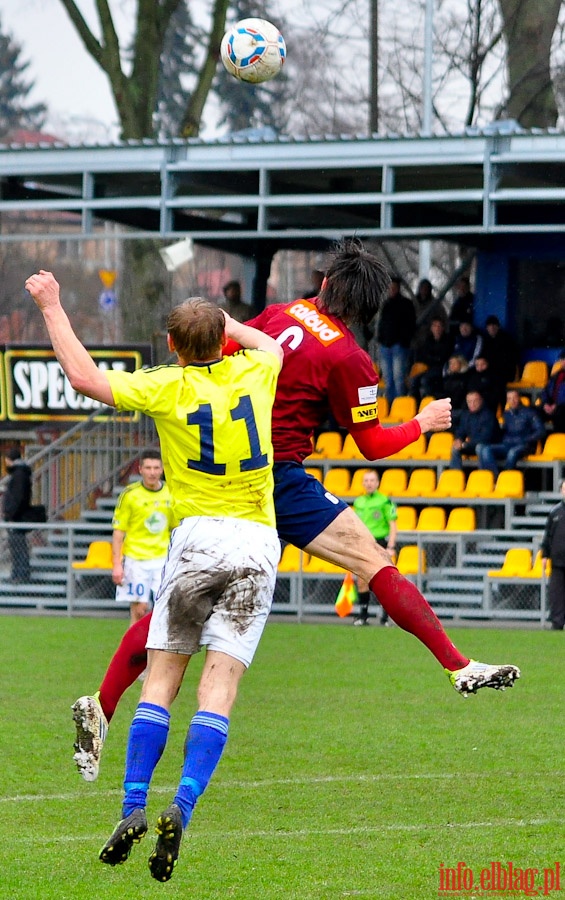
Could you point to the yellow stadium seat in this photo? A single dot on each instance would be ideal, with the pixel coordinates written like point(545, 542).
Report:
point(290, 559)
point(98, 556)
point(534, 375)
point(382, 404)
point(337, 481)
point(509, 483)
point(350, 450)
point(431, 518)
point(416, 369)
point(461, 518)
point(480, 483)
point(314, 565)
point(424, 402)
point(422, 483)
point(536, 570)
point(328, 446)
point(451, 483)
point(554, 448)
point(393, 482)
point(409, 561)
point(415, 450)
point(402, 409)
point(356, 486)
point(439, 445)
point(406, 518)
point(517, 564)
point(316, 473)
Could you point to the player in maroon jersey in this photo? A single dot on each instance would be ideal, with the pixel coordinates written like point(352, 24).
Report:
point(324, 370)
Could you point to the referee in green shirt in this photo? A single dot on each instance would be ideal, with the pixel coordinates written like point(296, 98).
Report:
point(379, 514)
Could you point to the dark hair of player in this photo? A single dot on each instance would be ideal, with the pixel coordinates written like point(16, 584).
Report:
point(356, 284)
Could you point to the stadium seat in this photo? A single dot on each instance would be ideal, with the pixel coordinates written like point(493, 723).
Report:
point(98, 556)
point(424, 402)
point(534, 375)
point(290, 559)
point(461, 518)
point(316, 473)
point(328, 446)
point(554, 448)
point(383, 405)
point(439, 445)
point(416, 369)
point(402, 409)
point(393, 482)
point(338, 481)
point(536, 571)
point(314, 565)
point(431, 518)
point(350, 450)
point(509, 483)
point(409, 561)
point(517, 564)
point(406, 518)
point(480, 483)
point(422, 483)
point(415, 450)
point(356, 486)
point(451, 483)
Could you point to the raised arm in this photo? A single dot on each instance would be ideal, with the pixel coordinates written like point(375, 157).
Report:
point(251, 338)
point(77, 364)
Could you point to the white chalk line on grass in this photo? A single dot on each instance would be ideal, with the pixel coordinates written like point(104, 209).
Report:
point(273, 782)
point(209, 835)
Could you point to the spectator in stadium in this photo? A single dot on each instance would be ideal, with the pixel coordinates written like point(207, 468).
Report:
point(467, 342)
point(324, 369)
point(213, 417)
point(553, 549)
point(396, 327)
point(463, 306)
point(553, 396)
point(521, 430)
point(500, 349)
point(378, 513)
point(433, 353)
point(478, 425)
point(454, 385)
point(142, 525)
point(233, 301)
point(481, 380)
point(316, 279)
point(16, 503)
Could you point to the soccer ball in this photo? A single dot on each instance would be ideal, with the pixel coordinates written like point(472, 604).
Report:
point(253, 50)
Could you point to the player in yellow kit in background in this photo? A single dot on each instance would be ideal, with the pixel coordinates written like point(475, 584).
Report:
point(142, 523)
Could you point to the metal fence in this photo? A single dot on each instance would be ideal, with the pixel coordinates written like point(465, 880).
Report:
point(37, 572)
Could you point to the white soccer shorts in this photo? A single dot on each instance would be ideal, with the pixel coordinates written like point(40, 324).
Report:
point(217, 587)
point(142, 580)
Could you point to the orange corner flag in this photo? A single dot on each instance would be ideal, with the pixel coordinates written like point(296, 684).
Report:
point(347, 596)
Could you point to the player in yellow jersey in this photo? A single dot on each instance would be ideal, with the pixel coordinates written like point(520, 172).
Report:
point(213, 416)
point(142, 524)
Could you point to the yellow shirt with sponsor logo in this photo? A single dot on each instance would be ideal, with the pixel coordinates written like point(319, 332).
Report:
point(214, 425)
point(146, 517)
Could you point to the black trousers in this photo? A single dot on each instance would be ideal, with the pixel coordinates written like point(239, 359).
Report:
point(556, 596)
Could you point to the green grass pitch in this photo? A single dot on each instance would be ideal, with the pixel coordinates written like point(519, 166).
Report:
point(352, 769)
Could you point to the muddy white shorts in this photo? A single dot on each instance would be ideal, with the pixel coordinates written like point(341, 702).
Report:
point(217, 587)
point(142, 579)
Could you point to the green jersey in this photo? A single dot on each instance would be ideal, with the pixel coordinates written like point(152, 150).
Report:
point(376, 511)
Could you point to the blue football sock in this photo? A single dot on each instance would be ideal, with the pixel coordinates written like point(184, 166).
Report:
point(205, 742)
point(147, 738)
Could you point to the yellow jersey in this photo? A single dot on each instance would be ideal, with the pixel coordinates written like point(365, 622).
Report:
point(146, 517)
point(214, 425)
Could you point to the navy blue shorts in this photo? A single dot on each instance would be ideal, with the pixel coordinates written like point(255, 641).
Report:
point(303, 506)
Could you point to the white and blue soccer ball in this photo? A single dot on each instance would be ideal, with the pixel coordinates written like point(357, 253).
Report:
point(253, 50)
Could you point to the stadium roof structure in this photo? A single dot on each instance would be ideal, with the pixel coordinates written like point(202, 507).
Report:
point(240, 192)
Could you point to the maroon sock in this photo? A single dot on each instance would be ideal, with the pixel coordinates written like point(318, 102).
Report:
point(405, 604)
point(127, 663)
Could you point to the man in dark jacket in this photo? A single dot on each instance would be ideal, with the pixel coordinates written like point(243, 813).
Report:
point(395, 330)
point(478, 425)
point(553, 548)
point(521, 431)
point(16, 508)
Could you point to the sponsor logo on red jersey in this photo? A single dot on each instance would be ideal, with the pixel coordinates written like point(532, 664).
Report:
point(314, 322)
